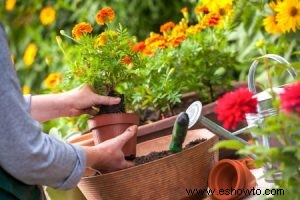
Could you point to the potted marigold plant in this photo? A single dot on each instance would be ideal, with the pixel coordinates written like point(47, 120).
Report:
point(106, 62)
point(193, 57)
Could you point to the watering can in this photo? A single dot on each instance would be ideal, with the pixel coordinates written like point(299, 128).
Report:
point(264, 108)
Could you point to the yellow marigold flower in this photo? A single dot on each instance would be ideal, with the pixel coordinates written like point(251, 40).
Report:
point(47, 15)
point(80, 29)
point(271, 25)
point(288, 15)
point(214, 6)
point(53, 80)
point(26, 89)
point(105, 15)
point(100, 40)
point(166, 27)
point(10, 5)
point(30, 54)
point(195, 29)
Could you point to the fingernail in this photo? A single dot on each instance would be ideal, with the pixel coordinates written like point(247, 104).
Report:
point(132, 128)
point(117, 99)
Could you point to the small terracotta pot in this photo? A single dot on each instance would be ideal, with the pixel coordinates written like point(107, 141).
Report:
point(83, 140)
point(107, 126)
point(232, 178)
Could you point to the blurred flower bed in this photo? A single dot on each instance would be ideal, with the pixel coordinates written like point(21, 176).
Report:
point(193, 45)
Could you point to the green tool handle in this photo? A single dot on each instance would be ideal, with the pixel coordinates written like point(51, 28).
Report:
point(179, 132)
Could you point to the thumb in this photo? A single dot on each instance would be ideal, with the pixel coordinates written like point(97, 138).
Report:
point(126, 135)
point(105, 100)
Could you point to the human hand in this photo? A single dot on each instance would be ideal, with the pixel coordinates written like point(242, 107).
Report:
point(108, 155)
point(81, 101)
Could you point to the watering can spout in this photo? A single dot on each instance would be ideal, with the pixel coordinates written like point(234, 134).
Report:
point(194, 112)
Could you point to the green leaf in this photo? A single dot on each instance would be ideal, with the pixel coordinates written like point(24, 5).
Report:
point(228, 144)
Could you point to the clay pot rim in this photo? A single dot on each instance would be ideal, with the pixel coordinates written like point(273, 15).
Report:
point(112, 118)
point(168, 122)
point(239, 170)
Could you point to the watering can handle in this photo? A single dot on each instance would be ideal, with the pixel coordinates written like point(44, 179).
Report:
point(251, 80)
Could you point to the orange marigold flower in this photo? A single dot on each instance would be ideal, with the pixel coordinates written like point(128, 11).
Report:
point(176, 40)
point(167, 26)
point(80, 29)
point(53, 80)
point(139, 47)
point(201, 9)
point(156, 41)
point(211, 19)
point(104, 15)
point(126, 60)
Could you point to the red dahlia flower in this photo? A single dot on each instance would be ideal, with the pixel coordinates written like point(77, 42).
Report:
point(232, 107)
point(290, 98)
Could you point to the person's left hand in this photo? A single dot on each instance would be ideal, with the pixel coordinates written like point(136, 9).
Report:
point(81, 101)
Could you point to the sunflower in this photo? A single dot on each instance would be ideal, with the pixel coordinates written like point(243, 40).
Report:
point(47, 15)
point(271, 25)
point(288, 15)
point(80, 29)
point(104, 15)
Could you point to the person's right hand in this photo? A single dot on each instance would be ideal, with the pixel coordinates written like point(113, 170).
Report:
point(108, 156)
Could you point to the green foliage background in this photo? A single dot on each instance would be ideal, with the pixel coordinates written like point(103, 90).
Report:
point(23, 26)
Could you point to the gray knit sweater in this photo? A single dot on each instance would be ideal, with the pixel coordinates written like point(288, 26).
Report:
point(25, 152)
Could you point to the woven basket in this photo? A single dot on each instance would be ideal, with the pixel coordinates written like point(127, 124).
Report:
point(164, 179)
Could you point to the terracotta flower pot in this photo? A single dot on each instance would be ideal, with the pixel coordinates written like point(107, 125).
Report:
point(107, 126)
point(164, 179)
point(83, 140)
point(232, 178)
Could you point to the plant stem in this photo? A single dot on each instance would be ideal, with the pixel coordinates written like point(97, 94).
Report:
point(170, 110)
point(267, 67)
point(211, 92)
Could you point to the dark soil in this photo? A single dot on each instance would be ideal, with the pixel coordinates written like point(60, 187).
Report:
point(117, 108)
point(161, 154)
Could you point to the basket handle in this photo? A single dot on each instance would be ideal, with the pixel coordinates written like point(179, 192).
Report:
point(277, 58)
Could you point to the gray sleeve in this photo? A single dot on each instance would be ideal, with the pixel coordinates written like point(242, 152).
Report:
point(25, 152)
